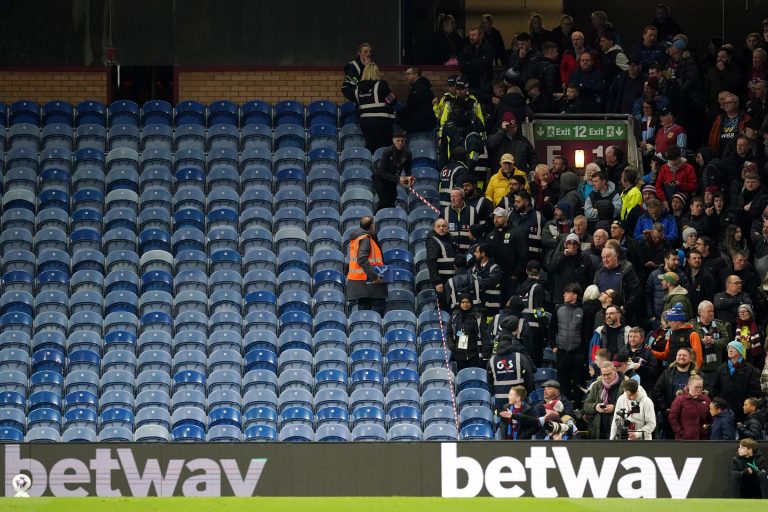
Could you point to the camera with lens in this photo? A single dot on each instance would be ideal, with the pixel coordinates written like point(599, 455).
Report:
point(622, 421)
point(566, 429)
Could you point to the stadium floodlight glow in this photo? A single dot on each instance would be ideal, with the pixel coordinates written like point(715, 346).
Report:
point(578, 159)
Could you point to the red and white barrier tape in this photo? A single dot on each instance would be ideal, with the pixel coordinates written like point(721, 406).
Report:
point(448, 366)
point(424, 200)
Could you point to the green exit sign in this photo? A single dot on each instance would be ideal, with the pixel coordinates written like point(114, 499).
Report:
point(580, 130)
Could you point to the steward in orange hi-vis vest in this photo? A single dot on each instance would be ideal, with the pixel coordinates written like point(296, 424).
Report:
point(365, 284)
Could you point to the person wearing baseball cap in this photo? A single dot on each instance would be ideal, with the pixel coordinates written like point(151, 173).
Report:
point(498, 185)
point(439, 106)
point(670, 133)
point(674, 294)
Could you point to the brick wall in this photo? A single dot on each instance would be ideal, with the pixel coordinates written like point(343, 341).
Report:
point(44, 85)
point(274, 85)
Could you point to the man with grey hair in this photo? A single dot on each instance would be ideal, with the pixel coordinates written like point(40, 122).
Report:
point(715, 335)
point(727, 127)
point(757, 72)
point(620, 275)
point(601, 400)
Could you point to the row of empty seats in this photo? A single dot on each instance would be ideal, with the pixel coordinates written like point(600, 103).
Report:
point(156, 112)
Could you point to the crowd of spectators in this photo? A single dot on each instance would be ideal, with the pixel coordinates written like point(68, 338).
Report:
point(654, 271)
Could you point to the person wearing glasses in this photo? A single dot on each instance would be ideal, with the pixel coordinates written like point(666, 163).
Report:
point(727, 302)
point(689, 413)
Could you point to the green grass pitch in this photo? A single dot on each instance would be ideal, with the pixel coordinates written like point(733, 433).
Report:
point(368, 504)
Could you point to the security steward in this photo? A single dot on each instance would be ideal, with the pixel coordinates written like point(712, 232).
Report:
point(441, 253)
point(354, 70)
point(460, 217)
point(467, 340)
point(453, 174)
point(377, 104)
point(365, 281)
point(509, 249)
point(490, 276)
point(510, 365)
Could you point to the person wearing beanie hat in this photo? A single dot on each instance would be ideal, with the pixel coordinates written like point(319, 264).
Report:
point(747, 332)
point(467, 339)
point(736, 379)
point(510, 365)
point(681, 335)
point(677, 205)
point(677, 175)
point(557, 228)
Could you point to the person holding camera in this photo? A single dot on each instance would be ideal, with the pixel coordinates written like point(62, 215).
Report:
point(601, 401)
point(689, 414)
point(634, 417)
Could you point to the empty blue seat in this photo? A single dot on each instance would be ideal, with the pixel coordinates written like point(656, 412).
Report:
point(473, 397)
point(322, 112)
point(330, 338)
point(368, 415)
point(24, 111)
point(289, 112)
point(472, 378)
point(295, 339)
point(476, 415)
point(436, 377)
point(367, 431)
point(296, 433)
point(326, 198)
point(256, 112)
point(476, 432)
point(11, 435)
point(439, 415)
point(115, 435)
point(404, 432)
point(190, 112)
point(348, 113)
point(440, 432)
point(290, 136)
point(323, 136)
point(223, 112)
point(366, 378)
point(331, 432)
point(157, 112)
point(90, 113)
point(366, 358)
point(434, 358)
point(331, 378)
point(257, 137)
point(327, 259)
point(123, 112)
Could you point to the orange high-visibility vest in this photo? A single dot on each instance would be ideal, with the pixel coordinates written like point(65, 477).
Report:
point(356, 272)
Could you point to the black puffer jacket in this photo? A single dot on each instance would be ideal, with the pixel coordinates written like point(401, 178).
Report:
point(417, 114)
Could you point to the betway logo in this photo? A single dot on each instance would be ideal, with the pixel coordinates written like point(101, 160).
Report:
point(636, 478)
point(73, 477)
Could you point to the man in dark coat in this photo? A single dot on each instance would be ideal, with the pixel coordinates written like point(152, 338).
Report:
point(354, 70)
point(510, 365)
point(365, 284)
point(417, 114)
point(392, 168)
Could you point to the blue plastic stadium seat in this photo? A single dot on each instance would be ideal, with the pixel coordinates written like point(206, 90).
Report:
point(190, 112)
point(256, 112)
point(123, 112)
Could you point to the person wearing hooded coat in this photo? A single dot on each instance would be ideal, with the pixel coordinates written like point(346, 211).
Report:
point(467, 340)
point(510, 365)
point(736, 379)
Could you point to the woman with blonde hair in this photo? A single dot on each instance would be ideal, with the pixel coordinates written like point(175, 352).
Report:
point(539, 34)
point(377, 104)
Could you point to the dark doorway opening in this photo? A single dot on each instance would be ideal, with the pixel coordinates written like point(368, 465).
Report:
point(143, 83)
